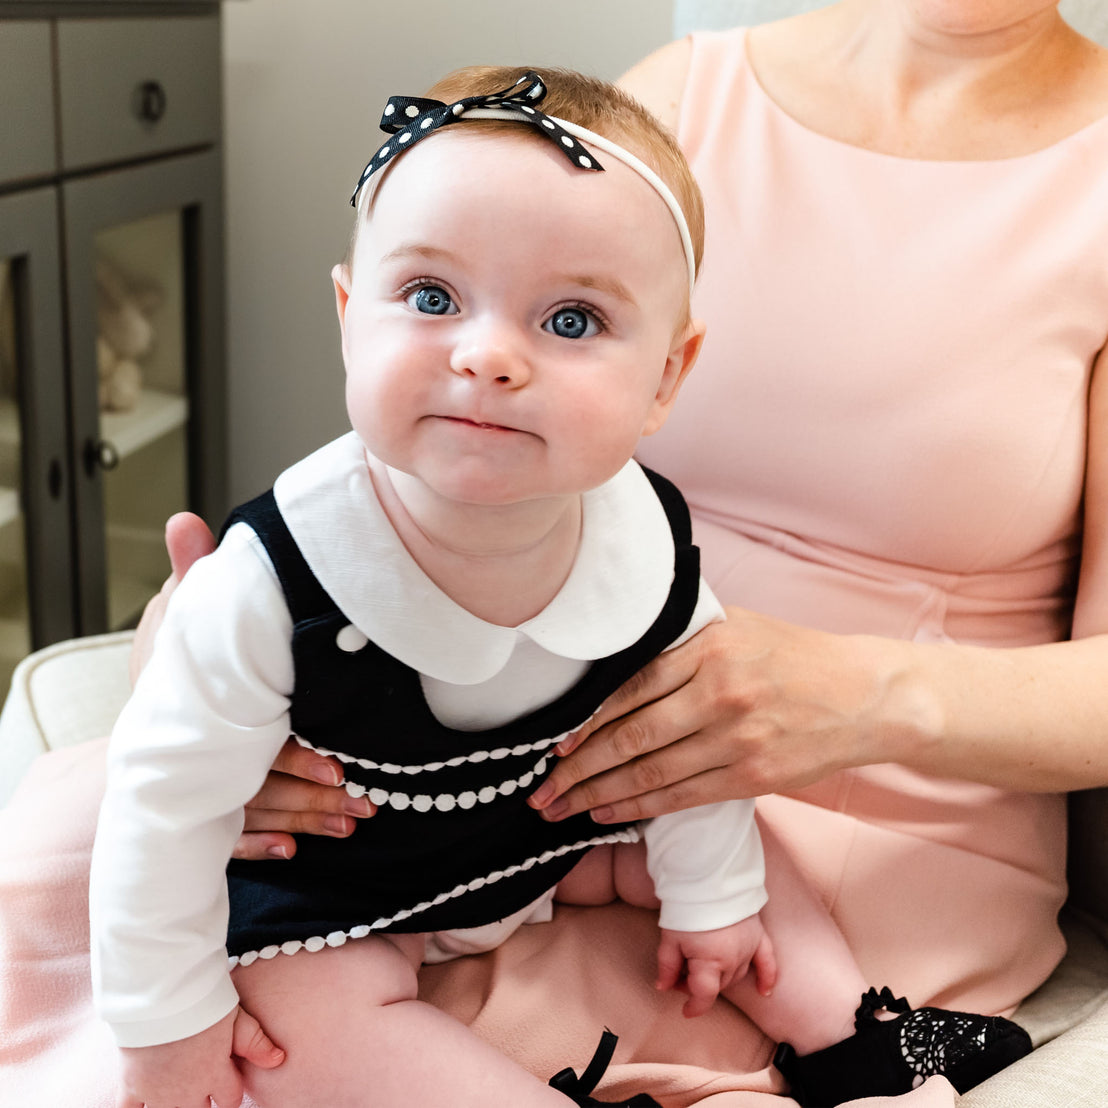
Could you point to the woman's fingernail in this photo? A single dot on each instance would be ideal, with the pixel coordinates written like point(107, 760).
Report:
point(602, 815)
point(556, 810)
point(338, 825)
point(543, 795)
point(357, 806)
point(566, 745)
point(277, 851)
point(325, 774)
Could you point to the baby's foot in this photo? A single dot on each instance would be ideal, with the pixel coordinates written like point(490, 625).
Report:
point(889, 1057)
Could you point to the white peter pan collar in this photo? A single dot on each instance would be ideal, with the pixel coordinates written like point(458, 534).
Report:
point(615, 590)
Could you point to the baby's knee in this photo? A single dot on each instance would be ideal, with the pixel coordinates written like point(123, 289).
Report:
point(360, 974)
point(321, 1008)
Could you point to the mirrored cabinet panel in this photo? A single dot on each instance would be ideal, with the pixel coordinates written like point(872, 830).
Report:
point(36, 564)
point(142, 397)
point(112, 398)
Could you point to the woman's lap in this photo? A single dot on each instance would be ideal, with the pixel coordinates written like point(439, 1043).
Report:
point(543, 997)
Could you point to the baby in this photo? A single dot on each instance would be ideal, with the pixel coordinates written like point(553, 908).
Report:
point(438, 599)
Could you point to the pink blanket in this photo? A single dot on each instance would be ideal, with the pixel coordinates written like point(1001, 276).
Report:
point(544, 997)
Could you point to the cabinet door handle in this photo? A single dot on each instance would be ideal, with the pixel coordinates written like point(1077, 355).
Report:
point(100, 454)
point(54, 479)
point(150, 101)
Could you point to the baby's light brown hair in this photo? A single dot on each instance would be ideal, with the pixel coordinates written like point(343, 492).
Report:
point(592, 103)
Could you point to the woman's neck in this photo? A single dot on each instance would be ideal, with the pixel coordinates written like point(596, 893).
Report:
point(901, 79)
point(503, 563)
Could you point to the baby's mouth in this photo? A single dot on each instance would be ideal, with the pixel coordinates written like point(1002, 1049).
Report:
point(478, 424)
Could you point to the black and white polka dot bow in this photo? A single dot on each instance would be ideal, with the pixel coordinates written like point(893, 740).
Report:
point(409, 118)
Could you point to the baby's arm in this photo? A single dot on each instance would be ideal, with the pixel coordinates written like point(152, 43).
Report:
point(705, 963)
point(191, 1070)
point(205, 722)
point(709, 874)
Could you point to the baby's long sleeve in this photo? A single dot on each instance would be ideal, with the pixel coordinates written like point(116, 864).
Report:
point(193, 744)
point(707, 866)
point(706, 862)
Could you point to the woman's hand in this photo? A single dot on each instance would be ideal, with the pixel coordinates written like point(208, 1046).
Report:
point(188, 539)
point(299, 795)
point(745, 707)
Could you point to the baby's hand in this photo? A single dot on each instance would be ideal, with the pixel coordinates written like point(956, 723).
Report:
point(186, 1073)
point(702, 963)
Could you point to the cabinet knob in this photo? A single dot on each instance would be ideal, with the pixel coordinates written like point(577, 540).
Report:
point(100, 454)
point(55, 479)
point(150, 101)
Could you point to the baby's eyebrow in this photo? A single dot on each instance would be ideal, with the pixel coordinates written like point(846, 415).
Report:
point(613, 286)
point(606, 283)
point(417, 250)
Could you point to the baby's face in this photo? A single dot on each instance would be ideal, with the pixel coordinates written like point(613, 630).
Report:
point(511, 325)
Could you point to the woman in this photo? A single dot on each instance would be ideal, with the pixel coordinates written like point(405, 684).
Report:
point(895, 450)
point(908, 484)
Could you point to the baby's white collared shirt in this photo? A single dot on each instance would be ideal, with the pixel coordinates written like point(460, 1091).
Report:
point(478, 674)
point(210, 713)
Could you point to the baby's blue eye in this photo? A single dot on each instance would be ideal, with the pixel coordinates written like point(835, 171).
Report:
point(572, 323)
point(431, 300)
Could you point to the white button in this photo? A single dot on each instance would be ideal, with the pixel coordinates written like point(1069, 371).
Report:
point(350, 639)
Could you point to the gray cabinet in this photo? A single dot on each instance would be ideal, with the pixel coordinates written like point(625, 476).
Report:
point(112, 384)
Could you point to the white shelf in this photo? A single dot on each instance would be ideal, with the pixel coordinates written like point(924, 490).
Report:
point(155, 414)
point(9, 506)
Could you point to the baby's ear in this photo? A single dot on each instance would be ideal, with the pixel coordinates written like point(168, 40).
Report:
point(682, 357)
point(340, 277)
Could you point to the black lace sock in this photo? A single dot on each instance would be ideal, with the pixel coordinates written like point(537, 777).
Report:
point(889, 1057)
point(578, 1088)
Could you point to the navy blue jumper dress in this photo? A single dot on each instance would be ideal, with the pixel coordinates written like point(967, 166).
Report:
point(453, 843)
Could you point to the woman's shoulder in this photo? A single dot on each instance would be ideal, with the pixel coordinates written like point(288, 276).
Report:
point(658, 81)
point(662, 80)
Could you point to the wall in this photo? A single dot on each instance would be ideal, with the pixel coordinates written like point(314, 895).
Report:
point(1088, 16)
point(304, 87)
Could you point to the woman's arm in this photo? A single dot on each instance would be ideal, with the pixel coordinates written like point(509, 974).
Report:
point(757, 705)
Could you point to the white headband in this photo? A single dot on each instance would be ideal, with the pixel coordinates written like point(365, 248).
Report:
point(410, 119)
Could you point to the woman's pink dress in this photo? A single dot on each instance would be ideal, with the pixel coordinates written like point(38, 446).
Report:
point(885, 434)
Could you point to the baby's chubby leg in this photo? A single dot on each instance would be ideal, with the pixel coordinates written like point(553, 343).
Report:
point(355, 1035)
point(818, 984)
point(610, 872)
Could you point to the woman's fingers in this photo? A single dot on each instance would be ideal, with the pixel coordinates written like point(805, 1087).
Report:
point(644, 714)
point(304, 808)
point(286, 803)
point(264, 846)
point(708, 787)
point(301, 761)
point(654, 682)
point(187, 539)
point(746, 707)
point(300, 795)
